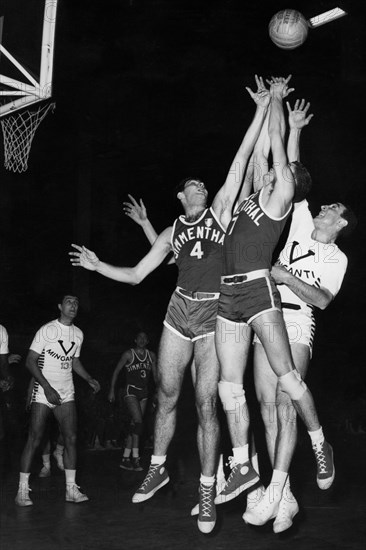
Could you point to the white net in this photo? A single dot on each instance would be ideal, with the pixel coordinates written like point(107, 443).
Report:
point(18, 133)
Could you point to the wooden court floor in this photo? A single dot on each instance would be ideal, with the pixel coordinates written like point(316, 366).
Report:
point(328, 520)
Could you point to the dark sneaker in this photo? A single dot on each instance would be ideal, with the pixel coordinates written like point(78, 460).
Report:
point(207, 511)
point(136, 464)
point(156, 477)
point(126, 464)
point(241, 478)
point(325, 465)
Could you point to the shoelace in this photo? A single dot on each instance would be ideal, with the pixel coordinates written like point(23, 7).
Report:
point(150, 475)
point(206, 499)
point(24, 490)
point(73, 486)
point(231, 462)
point(320, 458)
point(233, 466)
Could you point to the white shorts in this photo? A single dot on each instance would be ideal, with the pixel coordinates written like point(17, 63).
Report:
point(66, 394)
point(300, 327)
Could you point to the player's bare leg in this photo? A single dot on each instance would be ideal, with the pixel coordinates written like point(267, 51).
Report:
point(39, 417)
point(67, 419)
point(232, 343)
point(271, 330)
point(205, 381)
point(173, 357)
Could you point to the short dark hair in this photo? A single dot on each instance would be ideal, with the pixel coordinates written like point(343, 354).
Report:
point(303, 181)
point(62, 296)
point(181, 185)
point(351, 218)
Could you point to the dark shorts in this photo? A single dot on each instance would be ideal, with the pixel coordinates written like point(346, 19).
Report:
point(191, 318)
point(140, 393)
point(243, 302)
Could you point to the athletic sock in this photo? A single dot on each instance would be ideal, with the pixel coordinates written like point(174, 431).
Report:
point(24, 477)
point(158, 460)
point(135, 453)
point(70, 476)
point(207, 480)
point(316, 436)
point(241, 454)
point(127, 453)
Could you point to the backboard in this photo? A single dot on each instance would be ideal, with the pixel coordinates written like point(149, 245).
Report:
point(20, 88)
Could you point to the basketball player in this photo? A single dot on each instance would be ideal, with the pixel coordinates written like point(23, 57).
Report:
point(52, 357)
point(309, 274)
point(196, 240)
point(250, 300)
point(139, 365)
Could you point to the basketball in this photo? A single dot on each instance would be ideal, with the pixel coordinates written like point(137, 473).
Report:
point(288, 29)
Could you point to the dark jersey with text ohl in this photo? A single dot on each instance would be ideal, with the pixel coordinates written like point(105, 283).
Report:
point(197, 251)
point(251, 237)
point(139, 370)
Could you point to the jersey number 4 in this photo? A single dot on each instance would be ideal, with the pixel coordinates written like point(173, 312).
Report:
point(197, 250)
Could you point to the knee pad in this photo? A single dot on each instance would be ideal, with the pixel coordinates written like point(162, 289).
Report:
point(137, 428)
point(231, 395)
point(292, 384)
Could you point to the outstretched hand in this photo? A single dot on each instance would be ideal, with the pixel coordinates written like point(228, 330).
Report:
point(298, 118)
point(135, 211)
point(279, 85)
point(262, 96)
point(84, 258)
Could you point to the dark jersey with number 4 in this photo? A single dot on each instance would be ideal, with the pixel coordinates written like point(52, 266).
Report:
point(197, 251)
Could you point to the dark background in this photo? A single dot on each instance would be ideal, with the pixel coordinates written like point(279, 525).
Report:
point(148, 92)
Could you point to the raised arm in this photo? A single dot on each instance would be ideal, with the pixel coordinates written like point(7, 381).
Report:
point(297, 119)
point(137, 213)
point(225, 198)
point(278, 199)
point(131, 275)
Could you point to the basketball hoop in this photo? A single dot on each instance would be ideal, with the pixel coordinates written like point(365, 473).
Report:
point(18, 133)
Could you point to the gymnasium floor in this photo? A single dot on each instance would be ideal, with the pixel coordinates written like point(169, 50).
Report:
point(328, 520)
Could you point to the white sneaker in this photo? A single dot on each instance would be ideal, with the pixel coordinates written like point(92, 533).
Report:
point(22, 498)
point(264, 510)
point(59, 460)
point(286, 512)
point(73, 494)
point(255, 495)
point(45, 472)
